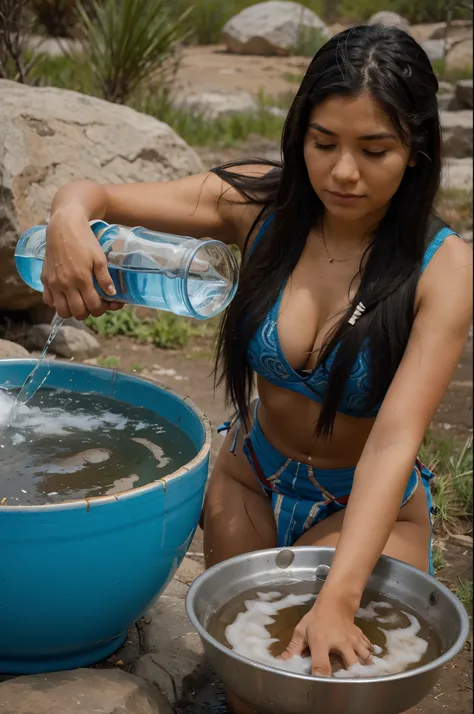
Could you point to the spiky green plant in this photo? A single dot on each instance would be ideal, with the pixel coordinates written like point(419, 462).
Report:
point(127, 42)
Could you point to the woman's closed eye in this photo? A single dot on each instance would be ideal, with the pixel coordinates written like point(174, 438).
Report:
point(376, 154)
point(367, 152)
point(324, 147)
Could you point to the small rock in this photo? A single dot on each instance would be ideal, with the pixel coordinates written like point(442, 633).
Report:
point(10, 350)
point(216, 104)
point(460, 55)
point(457, 133)
point(150, 667)
point(188, 571)
point(464, 93)
point(457, 174)
point(69, 342)
point(459, 30)
point(175, 658)
point(81, 691)
point(78, 324)
point(445, 87)
point(446, 95)
point(54, 47)
point(390, 19)
point(434, 49)
point(271, 28)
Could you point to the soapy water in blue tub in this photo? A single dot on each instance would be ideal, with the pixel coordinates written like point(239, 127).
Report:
point(65, 445)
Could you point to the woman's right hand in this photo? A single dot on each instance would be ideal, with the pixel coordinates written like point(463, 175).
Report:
point(73, 257)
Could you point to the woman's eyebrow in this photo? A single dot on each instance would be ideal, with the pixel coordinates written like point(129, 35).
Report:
point(366, 137)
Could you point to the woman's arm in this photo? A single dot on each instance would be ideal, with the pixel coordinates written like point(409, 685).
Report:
point(190, 206)
point(437, 339)
point(200, 206)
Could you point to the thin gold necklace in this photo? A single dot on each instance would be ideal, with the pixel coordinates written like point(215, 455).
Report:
point(331, 259)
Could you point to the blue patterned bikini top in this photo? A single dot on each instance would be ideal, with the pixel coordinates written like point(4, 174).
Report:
point(267, 359)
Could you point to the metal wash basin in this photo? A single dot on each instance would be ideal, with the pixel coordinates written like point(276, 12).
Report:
point(272, 691)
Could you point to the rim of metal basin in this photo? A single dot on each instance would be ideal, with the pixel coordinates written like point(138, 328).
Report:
point(132, 492)
point(438, 662)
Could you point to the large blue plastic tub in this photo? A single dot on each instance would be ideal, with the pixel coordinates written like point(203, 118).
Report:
point(75, 576)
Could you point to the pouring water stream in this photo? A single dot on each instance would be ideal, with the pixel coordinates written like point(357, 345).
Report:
point(32, 383)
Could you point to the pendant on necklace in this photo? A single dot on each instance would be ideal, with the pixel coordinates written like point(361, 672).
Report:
point(331, 260)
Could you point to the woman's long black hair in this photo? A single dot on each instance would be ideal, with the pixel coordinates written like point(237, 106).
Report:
point(389, 64)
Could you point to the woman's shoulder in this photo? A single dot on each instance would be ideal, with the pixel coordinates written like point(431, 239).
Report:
point(447, 269)
point(445, 244)
point(249, 191)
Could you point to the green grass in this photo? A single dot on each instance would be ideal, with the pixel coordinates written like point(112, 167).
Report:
point(138, 368)
point(293, 77)
point(464, 593)
point(452, 489)
point(165, 330)
point(65, 72)
point(438, 559)
point(221, 132)
point(111, 362)
point(309, 41)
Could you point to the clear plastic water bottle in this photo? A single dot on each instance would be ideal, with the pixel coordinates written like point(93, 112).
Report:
point(186, 276)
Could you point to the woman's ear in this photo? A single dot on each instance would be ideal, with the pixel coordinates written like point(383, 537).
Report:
point(413, 160)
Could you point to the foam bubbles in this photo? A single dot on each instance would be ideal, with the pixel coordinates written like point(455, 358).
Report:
point(48, 421)
point(403, 648)
point(6, 406)
point(248, 636)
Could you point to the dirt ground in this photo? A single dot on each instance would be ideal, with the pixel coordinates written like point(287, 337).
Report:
point(212, 69)
point(189, 372)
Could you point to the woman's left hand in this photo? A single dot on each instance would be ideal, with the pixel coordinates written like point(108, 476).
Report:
point(329, 629)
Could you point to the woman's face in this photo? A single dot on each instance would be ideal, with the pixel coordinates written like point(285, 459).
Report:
point(354, 157)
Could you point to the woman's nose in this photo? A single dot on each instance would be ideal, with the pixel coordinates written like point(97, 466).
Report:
point(346, 170)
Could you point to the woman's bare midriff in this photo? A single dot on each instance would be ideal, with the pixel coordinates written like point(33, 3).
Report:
point(288, 421)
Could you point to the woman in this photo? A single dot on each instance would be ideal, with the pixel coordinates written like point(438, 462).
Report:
point(353, 308)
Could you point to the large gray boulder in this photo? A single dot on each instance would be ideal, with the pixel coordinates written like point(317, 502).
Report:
point(271, 28)
point(70, 342)
point(49, 136)
point(459, 57)
point(457, 133)
point(389, 19)
point(81, 691)
point(11, 350)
